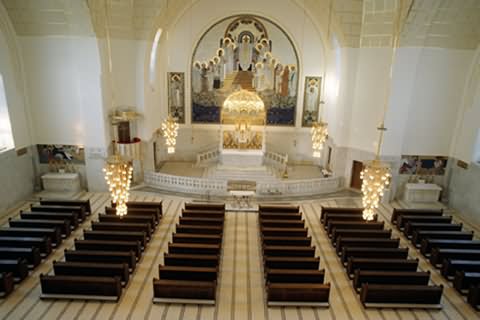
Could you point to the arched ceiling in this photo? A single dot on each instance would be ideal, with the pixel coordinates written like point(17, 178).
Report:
point(357, 23)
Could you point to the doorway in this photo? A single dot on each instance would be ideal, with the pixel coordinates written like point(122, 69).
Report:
point(356, 181)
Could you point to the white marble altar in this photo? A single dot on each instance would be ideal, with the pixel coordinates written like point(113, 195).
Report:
point(55, 181)
point(244, 158)
point(422, 192)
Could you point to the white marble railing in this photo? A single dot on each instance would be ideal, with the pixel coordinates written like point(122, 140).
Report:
point(208, 157)
point(299, 187)
point(185, 184)
point(204, 186)
point(277, 161)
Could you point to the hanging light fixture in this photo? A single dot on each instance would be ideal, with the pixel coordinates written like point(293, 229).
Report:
point(118, 174)
point(118, 171)
point(376, 174)
point(319, 136)
point(319, 130)
point(170, 133)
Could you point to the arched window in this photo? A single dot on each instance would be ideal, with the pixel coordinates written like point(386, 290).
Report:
point(153, 57)
point(476, 149)
point(6, 137)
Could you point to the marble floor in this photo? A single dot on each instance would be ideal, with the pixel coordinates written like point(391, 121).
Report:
point(241, 291)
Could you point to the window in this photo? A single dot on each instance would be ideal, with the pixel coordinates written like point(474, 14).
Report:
point(153, 56)
point(6, 137)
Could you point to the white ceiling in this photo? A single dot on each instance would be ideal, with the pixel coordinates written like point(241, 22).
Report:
point(358, 23)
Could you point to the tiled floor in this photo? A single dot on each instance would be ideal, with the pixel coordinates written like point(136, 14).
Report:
point(241, 291)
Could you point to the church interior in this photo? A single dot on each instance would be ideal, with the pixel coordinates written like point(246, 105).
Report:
point(254, 159)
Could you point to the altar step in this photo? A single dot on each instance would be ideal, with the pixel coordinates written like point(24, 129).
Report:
point(222, 172)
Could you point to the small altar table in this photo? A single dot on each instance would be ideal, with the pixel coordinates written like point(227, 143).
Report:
point(54, 181)
point(422, 192)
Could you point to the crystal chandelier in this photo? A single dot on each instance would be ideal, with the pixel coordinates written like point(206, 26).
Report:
point(170, 132)
point(118, 174)
point(319, 136)
point(376, 177)
point(243, 102)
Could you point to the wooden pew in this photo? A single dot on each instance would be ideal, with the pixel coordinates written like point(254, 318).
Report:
point(31, 255)
point(80, 287)
point(339, 210)
point(89, 269)
point(280, 216)
point(414, 212)
point(418, 235)
point(464, 280)
point(129, 219)
point(68, 203)
point(401, 296)
point(144, 205)
point(344, 217)
point(332, 224)
point(80, 211)
point(101, 256)
point(72, 217)
point(181, 291)
point(356, 233)
point(284, 232)
point(42, 243)
point(53, 233)
point(116, 235)
point(187, 273)
point(203, 214)
point(194, 248)
point(300, 294)
point(410, 227)
point(123, 226)
point(366, 242)
point(381, 264)
point(18, 267)
point(292, 262)
point(402, 220)
point(440, 254)
point(473, 297)
point(205, 206)
point(289, 251)
point(191, 260)
point(278, 208)
point(200, 221)
point(294, 276)
point(390, 277)
point(287, 241)
point(427, 244)
point(6, 284)
point(154, 213)
point(192, 229)
point(370, 252)
point(282, 223)
point(197, 238)
point(63, 225)
point(109, 245)
point(450, 266)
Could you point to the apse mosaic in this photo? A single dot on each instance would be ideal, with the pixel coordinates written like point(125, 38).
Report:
point(245, 52)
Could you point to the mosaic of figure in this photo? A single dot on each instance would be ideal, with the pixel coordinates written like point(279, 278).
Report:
point(244, 59)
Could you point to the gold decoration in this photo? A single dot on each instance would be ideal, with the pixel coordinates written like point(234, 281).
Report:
point(170, 132)
point(230, 141)
point(376, 177)
point(118, 174)
point(319, 136)
point(243, 103)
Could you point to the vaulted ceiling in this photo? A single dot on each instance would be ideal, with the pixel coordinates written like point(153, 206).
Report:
point(357, 23)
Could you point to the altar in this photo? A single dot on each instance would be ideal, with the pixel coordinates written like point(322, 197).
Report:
point(241, 158)
point(422, 192)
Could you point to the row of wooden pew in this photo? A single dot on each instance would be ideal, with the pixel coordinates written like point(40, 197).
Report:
point(191, 266)
point(446, 245)
point(291, 269)
point(32, 237)
point(380, 269)
point(102, 262)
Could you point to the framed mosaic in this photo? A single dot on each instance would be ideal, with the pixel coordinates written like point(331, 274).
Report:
point(311, 100)
point(176, 95)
